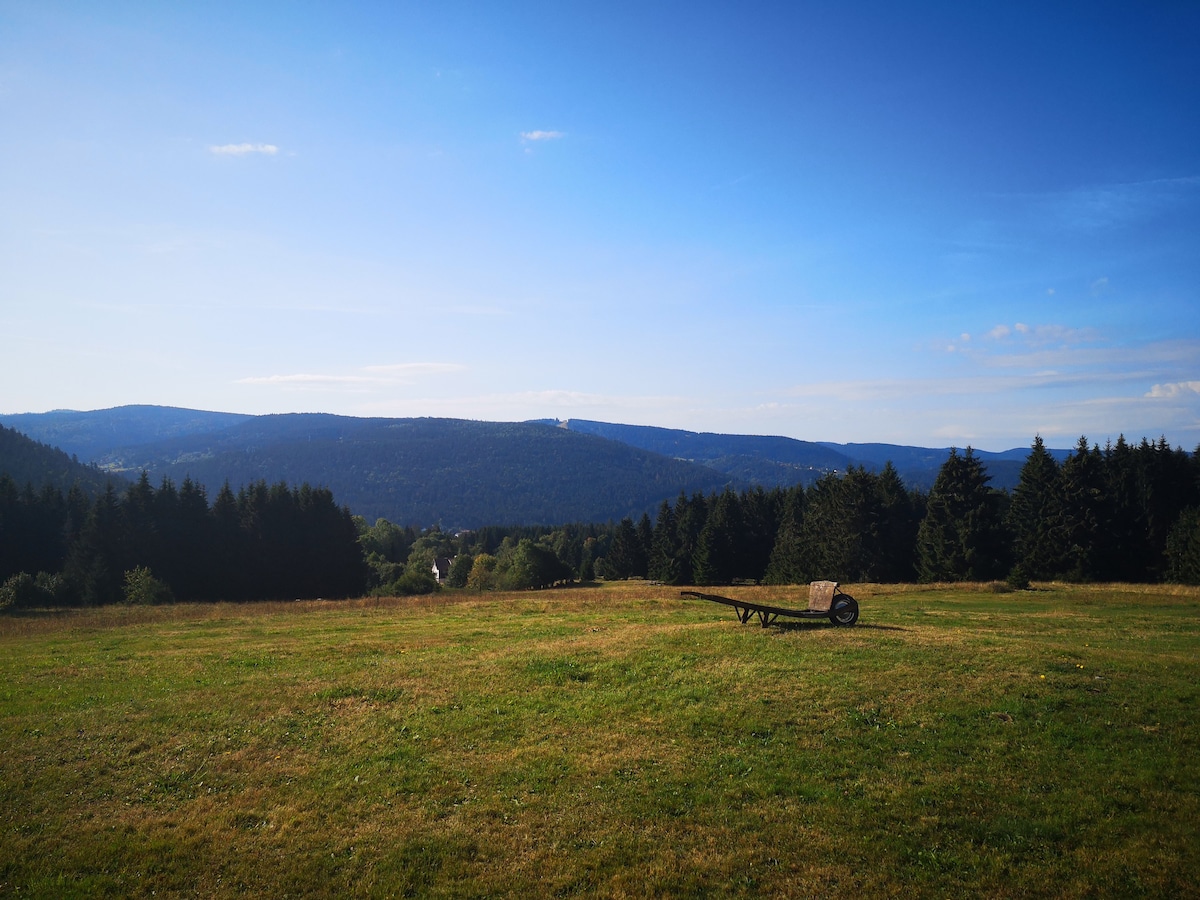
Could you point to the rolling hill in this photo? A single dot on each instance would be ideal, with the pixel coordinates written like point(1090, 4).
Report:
point(464, 474)
point(30, 462)
point(451, 472)
point(786, 461)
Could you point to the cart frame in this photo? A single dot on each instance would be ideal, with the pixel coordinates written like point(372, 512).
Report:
point(825, 601)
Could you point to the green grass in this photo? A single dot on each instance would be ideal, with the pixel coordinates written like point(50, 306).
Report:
point(617, 741)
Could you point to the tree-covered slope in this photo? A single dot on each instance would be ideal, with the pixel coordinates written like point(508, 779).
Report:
point(783, 461)
point(765, 460)
point(90, 435)
point(919, 466)
point(29, 462)
point(457, 473)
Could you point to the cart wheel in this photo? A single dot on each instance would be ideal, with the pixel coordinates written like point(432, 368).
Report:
point(845, 610)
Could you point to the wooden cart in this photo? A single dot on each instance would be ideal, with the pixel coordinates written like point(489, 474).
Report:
point(825, 601)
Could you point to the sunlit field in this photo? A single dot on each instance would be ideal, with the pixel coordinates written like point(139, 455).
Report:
point(616, 741)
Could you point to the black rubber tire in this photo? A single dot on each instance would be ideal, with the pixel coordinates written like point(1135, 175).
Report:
point(845, 610)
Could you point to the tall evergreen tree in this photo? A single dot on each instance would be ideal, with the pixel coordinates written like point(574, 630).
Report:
point(625, 556)
point(716, 556)
point(1086, 512)
point(645, 535)
point(1123, 538)
point(96, 563)
point(896, 554)
point(1036, 518)
point(830, 536)
point(663, 564)
point(690, 518)
point(961, 537)
point(1183, 548)
point(787, 564)
point(760, 523)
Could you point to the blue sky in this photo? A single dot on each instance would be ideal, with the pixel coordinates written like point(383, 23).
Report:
point(921, 223)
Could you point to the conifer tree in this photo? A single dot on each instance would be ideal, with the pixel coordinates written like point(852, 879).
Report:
point(897, 550)
point(663, 564)
point(1183, 548)
point(787, 565)
point(830, 540)
point(690, 518)
point(1086, 512)
point(961, 537)
point(715, 558)
point(645, 535)
point(1036, 518)
point(760, 522)
point(1123, 538)
point(625, 556)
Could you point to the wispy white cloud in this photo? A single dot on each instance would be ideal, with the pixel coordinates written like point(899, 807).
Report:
point(1161, 359)
point(368, 377)
point(243, 149)
point(410, 370)
point(1111, 205)
point(1175, 389)
point(1036, 337)
point(542, 135)
point(311, 380)
point(1037, 379)
point(558, 399)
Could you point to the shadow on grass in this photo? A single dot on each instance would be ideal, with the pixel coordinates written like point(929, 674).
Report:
point(805, 626)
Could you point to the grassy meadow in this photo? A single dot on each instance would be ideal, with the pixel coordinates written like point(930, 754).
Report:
point(614, 741)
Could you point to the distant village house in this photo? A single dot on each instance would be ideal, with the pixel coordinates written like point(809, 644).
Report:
point(441, 569)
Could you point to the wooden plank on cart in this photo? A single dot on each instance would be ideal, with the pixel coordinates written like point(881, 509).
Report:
point(820, 596)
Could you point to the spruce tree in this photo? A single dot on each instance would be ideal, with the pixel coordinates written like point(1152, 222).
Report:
point(717, 550)
point(663, 564)
point(645, 535)
point(1085, 508)
point(961, 537)
point(787, 563)
point(625, 556)
point(1183, 548)
point(690, 517)
point(1123, 538)
point(897, 550)
point(760, 522)
point(830, 538)
point(1036, 518)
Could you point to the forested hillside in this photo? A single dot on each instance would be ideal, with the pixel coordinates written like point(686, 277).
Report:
point(151, 545)
point(753, 459)
point(783, 461)
point(451, 472)
point(1124, 513)
point(94, 434)
point(458, 473)
point(31, 463)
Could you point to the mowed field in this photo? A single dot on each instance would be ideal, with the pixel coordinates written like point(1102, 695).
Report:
point(616, 741)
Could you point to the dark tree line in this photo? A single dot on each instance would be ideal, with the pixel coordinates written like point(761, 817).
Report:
point(264, 542)
point(1121, 513)
point(1117, 514)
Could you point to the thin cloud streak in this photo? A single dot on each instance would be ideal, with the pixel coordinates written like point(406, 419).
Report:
point(243, 149)
point(1178, 389)
point(376, 376)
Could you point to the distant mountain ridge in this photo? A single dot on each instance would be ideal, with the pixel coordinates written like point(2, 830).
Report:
point(30, 462)
point(782, 460)
point(451, 472)
point(464, 474)
point(90, 435)
point(768, 461)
